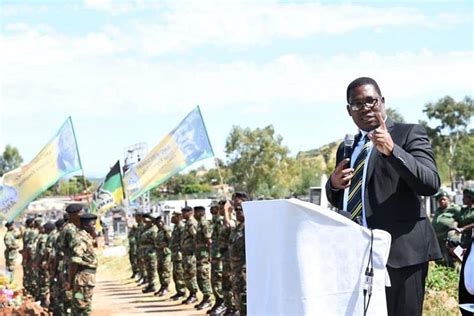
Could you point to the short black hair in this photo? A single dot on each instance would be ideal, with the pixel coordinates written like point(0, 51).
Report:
point(242, 195)
point(186, 209)
point(361, 82)
point(199, 209)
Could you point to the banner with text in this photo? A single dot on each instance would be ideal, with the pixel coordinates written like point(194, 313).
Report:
point(185, 145)
point(21, 186)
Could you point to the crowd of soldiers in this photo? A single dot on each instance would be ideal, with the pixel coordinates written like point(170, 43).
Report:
point(58, 259)
point(453, 224)
point(200, 255)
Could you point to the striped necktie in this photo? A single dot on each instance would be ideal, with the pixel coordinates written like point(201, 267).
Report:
point(354, 201)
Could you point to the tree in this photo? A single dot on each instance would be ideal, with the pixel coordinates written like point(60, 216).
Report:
point(10, 159)
point(452, 119)
point(257, 159)
point(395, 115)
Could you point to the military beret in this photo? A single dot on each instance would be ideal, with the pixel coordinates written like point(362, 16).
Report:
point(241, 194)
point(60, 222)
point(441, 194)
point(158, 218)
point(87, 217)
point(199, 209)
point(186, 209)
point(74, 208)
point(214, 204)
point(49, 226)
point(29, 220)
point(469, 192)
point(8, 224)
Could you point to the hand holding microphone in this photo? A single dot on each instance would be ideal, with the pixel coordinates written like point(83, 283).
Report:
point(341, 177)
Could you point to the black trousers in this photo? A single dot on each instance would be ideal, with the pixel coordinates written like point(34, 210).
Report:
point(406, 295)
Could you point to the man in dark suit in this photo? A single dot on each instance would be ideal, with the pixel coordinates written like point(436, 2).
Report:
point(390, 166)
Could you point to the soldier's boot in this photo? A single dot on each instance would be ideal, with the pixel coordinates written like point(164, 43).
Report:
point(191, 299)
point(163, 291)
point(177, 296)
point(141, 282)
point(220, 310)
point(149, 289)
point(134, 274)
point(218, 302)
point(158, 292)
point(205, 303)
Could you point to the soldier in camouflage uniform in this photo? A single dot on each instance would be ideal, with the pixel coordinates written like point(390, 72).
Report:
point(28, 235)
point(41, 264)
point(35, 234)
point(216, 258)
point(147, 246)
point(203, 242)
point(237, 255)
point(83, 266)
point(54, 290)
point(465, 217)
point(164, 256)
point(11, 248)
point(132, 250)
point(189, 259)
point(223, 243)
point(65, 240)
point(141, 256)
point(177, 256)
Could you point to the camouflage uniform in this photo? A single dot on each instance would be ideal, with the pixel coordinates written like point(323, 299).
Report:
point(84, 281)
point(177, 257)
point(42, 275)
point(238, 266)
point(29, 274)
point(65, 240)
point(464, 218)
point(216, 258)
point(132, 249)
point(223, 244)
point(189, 259)
point(203, 234)
point(141, 254)
point(147, 247)
point(53, 278)
point(164, 256)
point(11, 248)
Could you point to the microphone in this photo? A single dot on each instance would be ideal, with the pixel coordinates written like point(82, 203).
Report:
point(348, 143)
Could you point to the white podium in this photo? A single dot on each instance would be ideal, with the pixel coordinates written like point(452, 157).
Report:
point(305, 260)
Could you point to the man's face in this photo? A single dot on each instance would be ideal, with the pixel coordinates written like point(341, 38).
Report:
point(139, 219)
point(467, 200)
point(199, 214)
point(364, 117)
point(221, 210)
point(214, 210)
point(239, 214)
point(443, 202)
point(90, 227)
point(187, 215)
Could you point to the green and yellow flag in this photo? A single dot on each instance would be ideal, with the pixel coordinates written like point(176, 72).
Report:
point(109, 193)
point(21, 186)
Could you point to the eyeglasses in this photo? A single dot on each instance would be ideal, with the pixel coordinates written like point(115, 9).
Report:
point(369, 103)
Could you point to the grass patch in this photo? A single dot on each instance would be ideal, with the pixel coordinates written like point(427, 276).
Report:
point(441, 291)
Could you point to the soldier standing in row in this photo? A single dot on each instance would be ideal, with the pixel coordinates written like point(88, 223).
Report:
point(237, 261)
point(147, 246)
point(11, 248)
point(465, 217)
point(28, 236)
point(177, 256)
point(132, 250)
point(189, 258)
point(54, 290)
point(223, 241)
point(41, 265)
point(141, 255)
point(203, 241)
point(35, 234)
point(216, 259)
point(83, 266)
point(164, 256)
point(65, 241)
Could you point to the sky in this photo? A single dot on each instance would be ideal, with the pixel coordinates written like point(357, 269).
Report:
point(130, 71)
